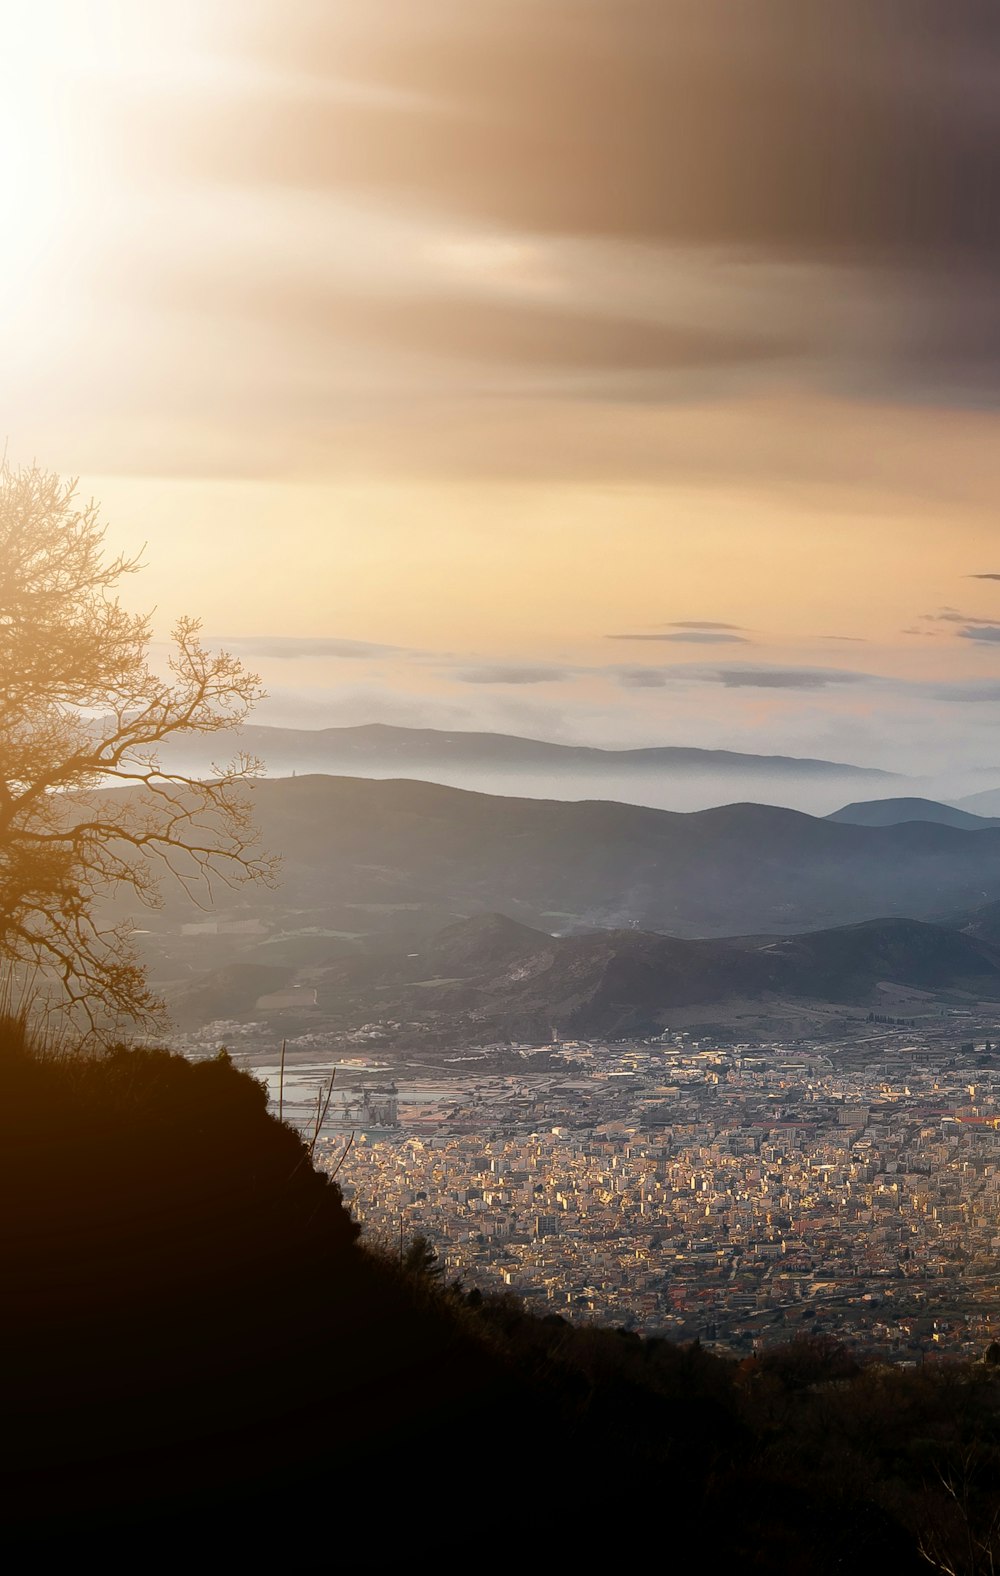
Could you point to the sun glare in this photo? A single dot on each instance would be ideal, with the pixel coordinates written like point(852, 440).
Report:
point(36, 161)
point(66, 68)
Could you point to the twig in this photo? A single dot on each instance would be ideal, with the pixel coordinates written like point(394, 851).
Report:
point(343, 1157)
point(320, 1119)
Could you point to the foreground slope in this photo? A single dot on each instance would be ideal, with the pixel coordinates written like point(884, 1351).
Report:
point(204, 1365)
point(189, 1321)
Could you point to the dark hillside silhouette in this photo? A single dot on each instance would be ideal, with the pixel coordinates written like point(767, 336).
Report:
point(187, 1319)
point(201, 1360)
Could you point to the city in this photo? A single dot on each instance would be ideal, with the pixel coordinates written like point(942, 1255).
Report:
point(735, 1195)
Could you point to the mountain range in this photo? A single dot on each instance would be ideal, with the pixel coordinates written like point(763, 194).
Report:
point(358, 851)
point(665, 777)
point(381, 747)
point(614, 913)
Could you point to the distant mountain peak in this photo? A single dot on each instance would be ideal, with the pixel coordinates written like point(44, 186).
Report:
point(896, 812)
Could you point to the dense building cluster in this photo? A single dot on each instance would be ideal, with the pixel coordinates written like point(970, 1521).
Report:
point(729, 1193)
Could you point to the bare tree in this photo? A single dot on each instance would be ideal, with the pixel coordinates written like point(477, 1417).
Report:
point(86, 802)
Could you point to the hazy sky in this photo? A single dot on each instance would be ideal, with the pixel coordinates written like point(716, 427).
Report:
point(593, 369)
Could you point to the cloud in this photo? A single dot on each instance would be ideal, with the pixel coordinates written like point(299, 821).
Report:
point(644, 678)
point(532, 335)
point(357, 704)
point(689, 636)
point(785, 678)
point(514, 240)
point(294, 647)
point(700, 623)
point(501, 674)
point(744, 677)
point(951, 615)
point(983, 577)
point(986, 691)
point(640, 196)
point(767, 123)
point(967, 626)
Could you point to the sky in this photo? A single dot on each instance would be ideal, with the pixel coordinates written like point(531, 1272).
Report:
point(617, 371)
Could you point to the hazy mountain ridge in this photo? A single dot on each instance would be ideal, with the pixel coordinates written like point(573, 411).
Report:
point(737, 869)
point(492, 978)
point(674, 777)
point(617, 983)
point(381, 744)
point(351, 843)
point(624, 911)
point(985, 803)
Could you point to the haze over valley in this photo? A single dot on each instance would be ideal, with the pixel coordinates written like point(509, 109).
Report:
point(666, 777)
point(375, 871)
